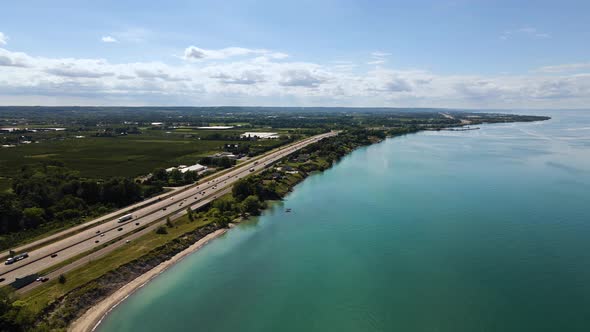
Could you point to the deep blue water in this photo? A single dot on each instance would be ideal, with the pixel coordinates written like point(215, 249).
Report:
point(485, 230)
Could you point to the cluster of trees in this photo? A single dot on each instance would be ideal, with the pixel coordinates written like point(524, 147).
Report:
point(251, 205)
point(237, 149)
point(223, 162)
point(253, 186)
point(247, 198)
point(161, 178)
point(223, 210)
point(334, 148)
point(52, 194)
point(14, 314)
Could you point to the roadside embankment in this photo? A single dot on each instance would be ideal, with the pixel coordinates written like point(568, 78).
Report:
point(91, 318)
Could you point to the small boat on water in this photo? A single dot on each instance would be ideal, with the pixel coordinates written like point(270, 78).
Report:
point(288, 210)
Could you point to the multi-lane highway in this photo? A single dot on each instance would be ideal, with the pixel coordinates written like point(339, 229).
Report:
point(95, 236)
point(92, 256)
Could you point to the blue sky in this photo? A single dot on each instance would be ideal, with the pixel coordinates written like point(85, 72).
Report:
point(476, 54)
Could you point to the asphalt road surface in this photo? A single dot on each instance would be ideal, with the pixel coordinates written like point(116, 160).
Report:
point(108, 249)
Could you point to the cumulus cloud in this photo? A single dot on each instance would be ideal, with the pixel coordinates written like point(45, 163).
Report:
point(3, 38)
point(158, 73)
point(13, 59)
point(108, 39)
point(302, 78)
point(247, 77)
point(82, 69)
point(196, 53)
point(398, 85)
point(256, 78)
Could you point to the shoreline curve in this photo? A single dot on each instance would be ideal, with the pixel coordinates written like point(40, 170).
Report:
point(92, 318)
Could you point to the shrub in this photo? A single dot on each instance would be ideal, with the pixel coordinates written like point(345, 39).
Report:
point(161, 230)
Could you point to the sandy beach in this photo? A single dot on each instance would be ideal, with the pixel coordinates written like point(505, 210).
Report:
point(92, 318)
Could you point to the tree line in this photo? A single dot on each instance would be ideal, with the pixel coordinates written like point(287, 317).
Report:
point(50, 196)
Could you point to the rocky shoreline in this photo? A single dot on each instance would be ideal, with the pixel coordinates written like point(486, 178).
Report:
point(90, 320)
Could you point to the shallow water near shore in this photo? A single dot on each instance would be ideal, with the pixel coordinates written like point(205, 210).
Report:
point(483, 230)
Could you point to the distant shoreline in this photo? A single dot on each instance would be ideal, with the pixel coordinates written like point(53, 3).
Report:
point(92, 318)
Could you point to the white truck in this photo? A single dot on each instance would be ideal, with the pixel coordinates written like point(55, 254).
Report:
point(16, 258)
point(125, 218)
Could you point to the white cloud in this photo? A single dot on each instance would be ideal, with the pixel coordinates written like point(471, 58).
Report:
point(378, 58)
point(13, 59)
point(257, 78)
point(302, 78)
point(108, 39)
point(570, 67)
point(3, 38)
point(379, 54)
point(247, 77)
point(196, 53)
point(526, 31)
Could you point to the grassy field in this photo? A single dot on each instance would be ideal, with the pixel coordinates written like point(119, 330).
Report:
point(101, 157)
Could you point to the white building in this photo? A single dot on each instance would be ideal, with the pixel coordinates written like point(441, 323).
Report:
point(184, 168)
point(216, 127)
point(193, 168)
point(224, 154)
point(260, 135)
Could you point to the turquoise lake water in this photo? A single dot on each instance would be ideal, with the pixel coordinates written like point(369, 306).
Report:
point(485, 230)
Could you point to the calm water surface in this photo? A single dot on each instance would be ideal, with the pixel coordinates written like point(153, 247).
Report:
point(485, 230)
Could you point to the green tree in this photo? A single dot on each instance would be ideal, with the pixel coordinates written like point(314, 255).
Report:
point(213, 212)
point(62, 279)
point(189, 212)
point(10, 213)
point(224, 204)
point(15, 316)
point(242, 189)
point(175, 176)
point(225, 162)
point(33, 217)
point(161, 230)
point(223, 221)
point(160, 174)
point(251, 205)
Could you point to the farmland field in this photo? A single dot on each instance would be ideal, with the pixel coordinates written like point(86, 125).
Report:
point(101, 157)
